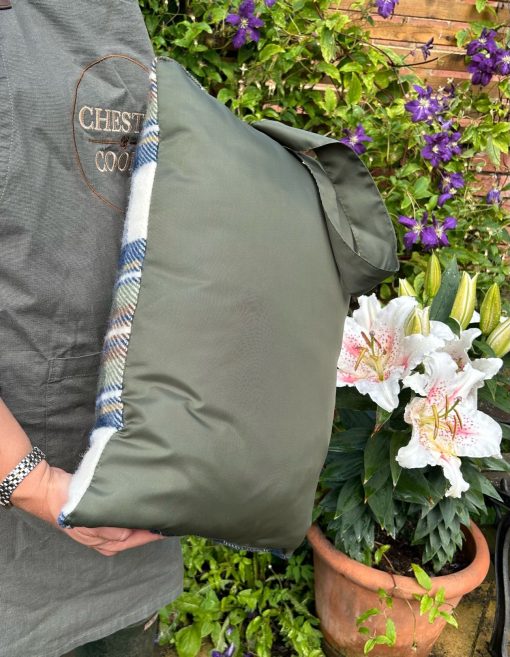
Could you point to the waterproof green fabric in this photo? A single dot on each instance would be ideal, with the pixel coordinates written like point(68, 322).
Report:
point(218, 381)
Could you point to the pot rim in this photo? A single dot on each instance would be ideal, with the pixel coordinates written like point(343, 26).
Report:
point(455, 585)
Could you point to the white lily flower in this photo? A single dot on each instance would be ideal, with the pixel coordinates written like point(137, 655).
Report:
point(445, 424)
point(458, 346)
point(376, 354)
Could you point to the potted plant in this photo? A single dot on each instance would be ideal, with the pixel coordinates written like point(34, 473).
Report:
point(405, 468)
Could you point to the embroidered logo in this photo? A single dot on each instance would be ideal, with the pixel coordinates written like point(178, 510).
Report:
point(108, 113)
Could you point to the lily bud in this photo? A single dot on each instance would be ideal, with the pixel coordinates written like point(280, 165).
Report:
point(490, 310)
point(499, 339)
point(405, 289)
point(418, 322)
point(432, 277)
point(465, 300)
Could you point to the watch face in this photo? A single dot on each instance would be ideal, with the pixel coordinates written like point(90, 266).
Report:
point(108, 111)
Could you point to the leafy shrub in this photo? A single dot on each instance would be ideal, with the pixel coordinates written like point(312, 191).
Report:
point(255, 602)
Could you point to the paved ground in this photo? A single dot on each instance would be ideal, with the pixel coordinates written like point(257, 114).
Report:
point(475, 616)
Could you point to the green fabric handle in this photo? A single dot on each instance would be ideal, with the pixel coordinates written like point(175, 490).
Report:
point(360, 230)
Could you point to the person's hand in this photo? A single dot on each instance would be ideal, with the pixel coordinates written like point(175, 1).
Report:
point(44, 492)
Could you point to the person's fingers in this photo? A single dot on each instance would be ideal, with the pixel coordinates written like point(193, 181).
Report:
point(107, 533)
point(111, 540)
point(137, 537)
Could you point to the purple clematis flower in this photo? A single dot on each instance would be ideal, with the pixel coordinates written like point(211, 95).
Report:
point(416, 228)
point(486, 41)
point(443, 96)
point(228, 652)
point(441, 147)
point(385, 8)
point(493, 196)
point(269, 3)
point(435, 235)
point(355, 138)
point(483, 67)
point(448, 187)
point(431, 236)
point(426, 48)
point(246, 23)
point(425, 107)
point(503, 61)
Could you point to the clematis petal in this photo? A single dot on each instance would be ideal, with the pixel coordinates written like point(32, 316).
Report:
point(408, 222)
point(239, 38)
point(233, 19)
point(410, 238)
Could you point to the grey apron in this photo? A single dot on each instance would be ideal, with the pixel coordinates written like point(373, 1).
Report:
point(73, 85)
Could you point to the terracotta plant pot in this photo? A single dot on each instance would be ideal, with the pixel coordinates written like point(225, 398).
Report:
point(345, 588)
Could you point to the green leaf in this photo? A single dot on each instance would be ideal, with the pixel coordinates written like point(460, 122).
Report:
point(225, 94)
point(342, 468)
point(381, 417)
point(378, 554)
point(480, 5)
point(330, 100)
point(454, 325)
point(391, 632)
point(383, 506)
point(408, 169)
point(367, 614)
point(329, 70)
point(421, 187)
point(493, 152)
point(413, 487)
point(449, 618)
point(398, 439)
point(269, 51)
point(443, 301)
point(376, 455)
point(350, 497)
point(352, 399)
point(352, 440)
point(351, 67)
point(426, 604)
point(188, 641)
point(327, 44)
point(440, 596)
point(421, 577)
point(354, 91)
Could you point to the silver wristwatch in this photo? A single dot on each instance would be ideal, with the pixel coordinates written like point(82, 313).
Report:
point(16, 476)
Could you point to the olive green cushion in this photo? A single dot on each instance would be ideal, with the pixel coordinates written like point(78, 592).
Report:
point(218, 381)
